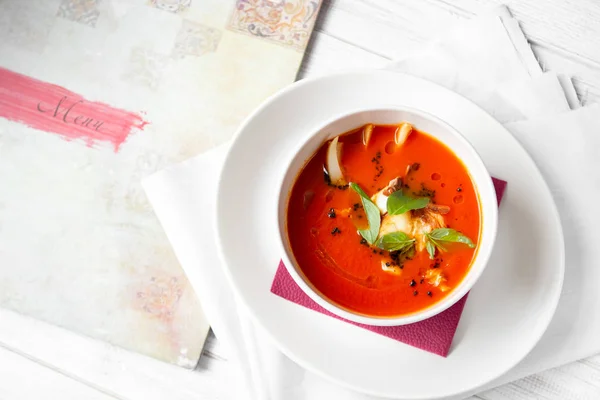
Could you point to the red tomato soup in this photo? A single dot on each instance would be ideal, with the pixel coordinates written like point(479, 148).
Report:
point(427, 211)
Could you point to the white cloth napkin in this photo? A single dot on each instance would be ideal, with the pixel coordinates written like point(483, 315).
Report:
point(488, 61)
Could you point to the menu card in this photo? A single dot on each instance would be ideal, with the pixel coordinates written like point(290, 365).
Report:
point(94, 96)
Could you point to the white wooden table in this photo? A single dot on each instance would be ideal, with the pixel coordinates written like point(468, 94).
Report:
point(41, 361)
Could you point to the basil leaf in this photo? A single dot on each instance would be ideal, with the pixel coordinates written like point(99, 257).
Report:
point(407, 253)
point(395, 241)
point(449, 235)
point(399, 203)
point(436, 237)
point(358, 190)
point(373, 215)
point(430, 249)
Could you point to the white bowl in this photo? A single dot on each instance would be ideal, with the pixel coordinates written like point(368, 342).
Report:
point(434, 127)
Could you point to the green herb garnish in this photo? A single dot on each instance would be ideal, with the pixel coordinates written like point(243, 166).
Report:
point(437, 237)
point(395, 241)
point(373, 215)
point(399, 203)
point(430, 249)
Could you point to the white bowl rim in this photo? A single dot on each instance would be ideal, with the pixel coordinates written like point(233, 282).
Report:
point(469, 280)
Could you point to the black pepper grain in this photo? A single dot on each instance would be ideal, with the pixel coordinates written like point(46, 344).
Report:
point(335, 231)
point(415, 293)
point(459, 189)
point(429, 294)
point(413, 283)
point(331, 213)
point(425, 192)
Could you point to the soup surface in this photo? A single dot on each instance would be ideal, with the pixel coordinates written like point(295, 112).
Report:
point(403, 244)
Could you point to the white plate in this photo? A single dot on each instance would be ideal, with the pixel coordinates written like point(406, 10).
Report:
point(508, 310)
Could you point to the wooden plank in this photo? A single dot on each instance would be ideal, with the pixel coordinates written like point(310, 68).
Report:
point(329, 55)
point(389, 28)
point(114, 370)
point(24, 379)
point(575, 381)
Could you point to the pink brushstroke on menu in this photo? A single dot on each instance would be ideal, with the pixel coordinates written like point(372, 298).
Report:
point(54, 109)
